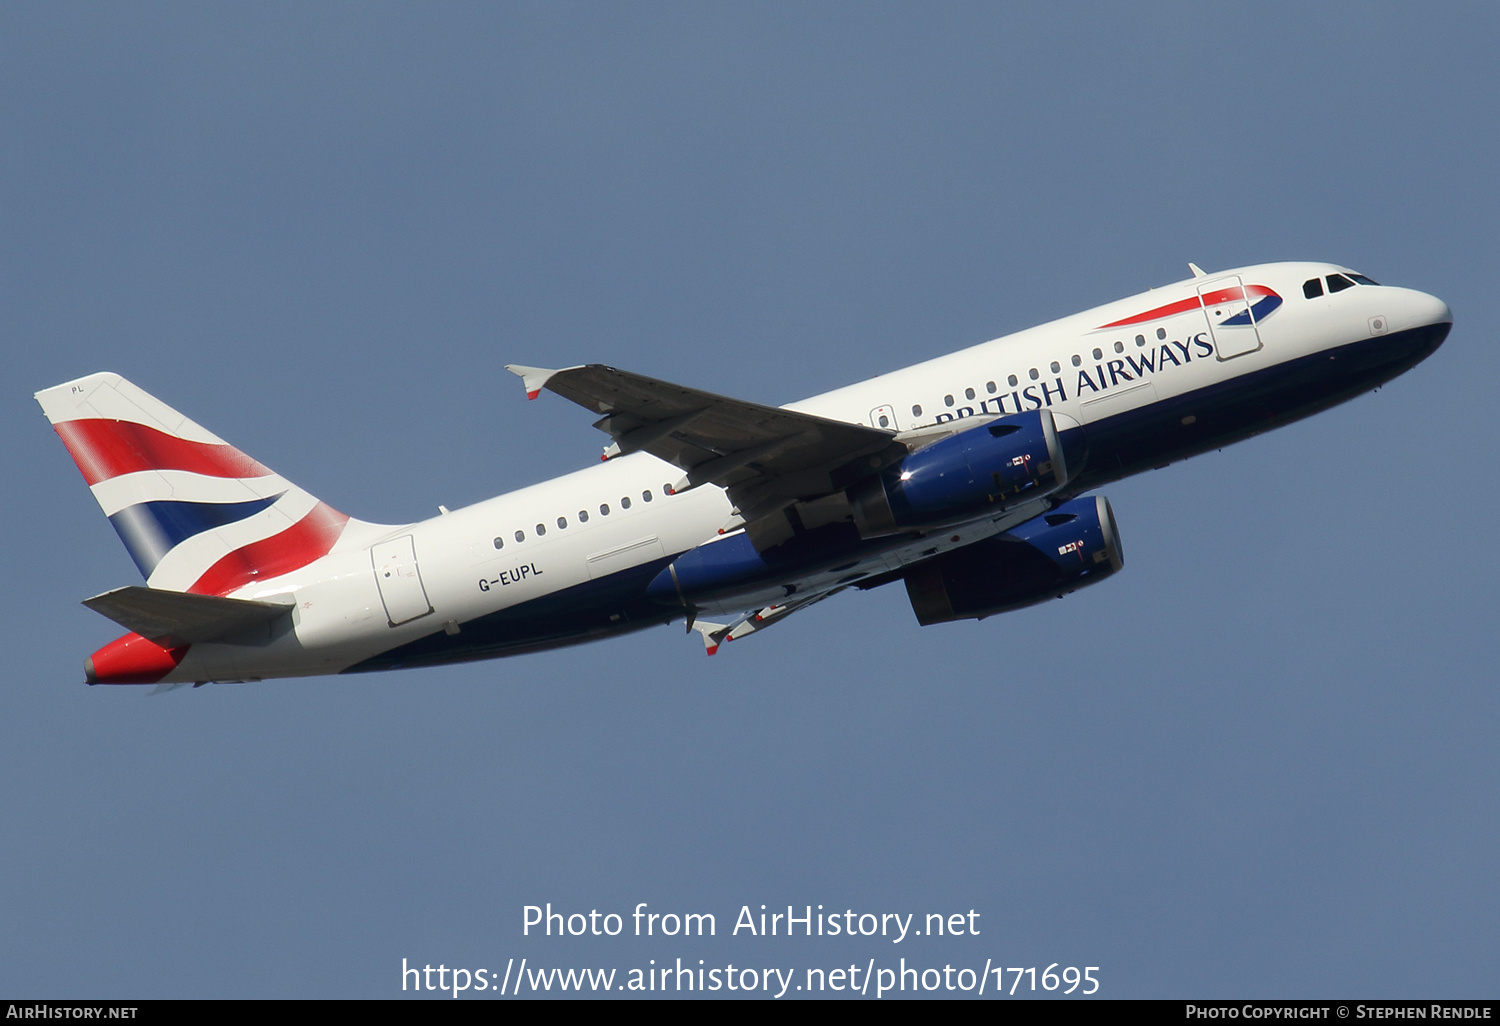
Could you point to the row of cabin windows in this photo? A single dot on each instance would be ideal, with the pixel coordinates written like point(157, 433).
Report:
point(583, 516)
point(1312, 288)
point(1056, 368)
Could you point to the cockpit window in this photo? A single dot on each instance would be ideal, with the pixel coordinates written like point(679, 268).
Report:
point(1338, 283)
point(1361, 279)
point(1312, 288)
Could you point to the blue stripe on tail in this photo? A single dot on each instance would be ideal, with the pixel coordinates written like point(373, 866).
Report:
point(152, 529)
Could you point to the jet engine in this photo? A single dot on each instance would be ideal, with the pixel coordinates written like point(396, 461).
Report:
point(1046, 557)
point(960, 477)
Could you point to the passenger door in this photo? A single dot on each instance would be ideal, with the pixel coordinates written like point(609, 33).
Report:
point(1231, 322)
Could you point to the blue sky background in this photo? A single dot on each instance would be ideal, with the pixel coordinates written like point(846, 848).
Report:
point(1259, 762)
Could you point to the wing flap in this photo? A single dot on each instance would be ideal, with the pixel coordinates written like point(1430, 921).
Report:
point(171, 618)
point(715, 634)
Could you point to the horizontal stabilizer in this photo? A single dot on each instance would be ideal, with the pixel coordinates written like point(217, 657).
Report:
point(171, 618)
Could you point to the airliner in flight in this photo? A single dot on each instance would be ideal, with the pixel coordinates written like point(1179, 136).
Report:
point(966, 478)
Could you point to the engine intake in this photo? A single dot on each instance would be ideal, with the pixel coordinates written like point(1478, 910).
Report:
point(960, 477)
point(1073, 546)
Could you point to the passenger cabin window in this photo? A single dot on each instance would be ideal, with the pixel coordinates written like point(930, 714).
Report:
point(562, 522)
point(583, 516)
point(499, 543)
point(1338, 283)
point(541, 529)
point(989, 386)
point(1098, 354)
point(885, 421)
point(1140, 341)
point(604, 509)
point(1013, 381)
point(624, 502)
point(646, 495)
point(1312, 288)
point(1161, 333)
point(947, 400)
point(968, 393)
point(916, 411)
point(1077, 360)
point(520, 536)
point(1056, 366)
point(1033, 374)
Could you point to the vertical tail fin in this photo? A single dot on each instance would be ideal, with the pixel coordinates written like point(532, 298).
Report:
point(195, 513)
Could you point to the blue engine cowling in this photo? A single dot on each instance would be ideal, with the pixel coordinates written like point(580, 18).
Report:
point(960, 477)
point(1046, 557)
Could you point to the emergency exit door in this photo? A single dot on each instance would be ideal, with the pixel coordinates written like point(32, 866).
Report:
point(399, 580)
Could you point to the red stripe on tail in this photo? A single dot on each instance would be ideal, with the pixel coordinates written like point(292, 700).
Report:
point(308, 539)
point(108, 448)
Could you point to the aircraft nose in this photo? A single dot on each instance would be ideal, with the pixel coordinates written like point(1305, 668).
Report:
point(1426, 310)
point(1427, 321)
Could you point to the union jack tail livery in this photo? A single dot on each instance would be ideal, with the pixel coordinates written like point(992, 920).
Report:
point(200, 518)
point(195, 513)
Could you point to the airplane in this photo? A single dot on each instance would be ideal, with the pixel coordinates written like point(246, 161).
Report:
point(967, 477)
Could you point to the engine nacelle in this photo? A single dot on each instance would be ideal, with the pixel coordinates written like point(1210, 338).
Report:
point(1048, 556)
point(989, 467)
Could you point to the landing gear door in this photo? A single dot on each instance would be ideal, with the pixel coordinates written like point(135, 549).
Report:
point(400, 582)
point(1231, 322)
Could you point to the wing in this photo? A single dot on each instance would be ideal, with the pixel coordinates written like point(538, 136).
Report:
point(764, 456)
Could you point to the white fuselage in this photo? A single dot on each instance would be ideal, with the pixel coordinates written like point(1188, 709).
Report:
point(512, 551)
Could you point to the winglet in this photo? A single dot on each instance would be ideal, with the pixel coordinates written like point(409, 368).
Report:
point(1197, 271)
point(533, 378)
